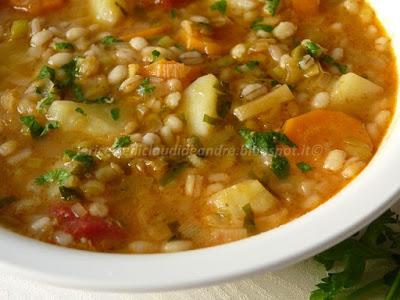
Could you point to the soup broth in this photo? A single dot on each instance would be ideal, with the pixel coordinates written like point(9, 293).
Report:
point(162, 126)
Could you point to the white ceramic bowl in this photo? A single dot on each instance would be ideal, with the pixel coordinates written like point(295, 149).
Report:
point(368, 196)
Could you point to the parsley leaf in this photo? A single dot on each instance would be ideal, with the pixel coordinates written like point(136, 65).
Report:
point(249, 66)
point(272, 6)
point(58, 175)
point(145, 87)
point(304, 167)
point(110, 40)
point(155, 54)
point(329, 60)
point(258, 25)
point(121, 142)
point(378, 242)
point(211, 120)
point(280, 166)
point(115, 113)
point(264, 142)
point(220, 6)
point(35, 128)
point(267, 143)
point(81, 157)
point(312, 48)
point(63, 46)
point(47, 72)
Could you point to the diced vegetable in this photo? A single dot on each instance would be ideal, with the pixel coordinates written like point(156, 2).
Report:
point(36, 7)
point(94, 228)
point(264, 103)
point(108, 11)
point(230, 201)
point(167, 69)
point(96, 122)
point(147, 33)
point(19, 29)
point(319, 131)
point(354, 94)
point(306, 7)
point(200, 99)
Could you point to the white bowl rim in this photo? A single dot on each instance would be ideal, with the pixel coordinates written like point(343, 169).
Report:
point(309, 235)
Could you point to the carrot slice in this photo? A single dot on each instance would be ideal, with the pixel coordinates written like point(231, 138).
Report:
point(171, 69)
point(306, 7)
point(36, 7)
point(146, 33)
point(319, 131)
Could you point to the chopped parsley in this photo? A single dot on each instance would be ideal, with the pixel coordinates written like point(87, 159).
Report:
point(304, 167)
point(45, 103)
point(175, 169)
point(329, 60)
point(258, 25)
point(248, 222)
point(80, 111)
point(220, 6)
point(155, 54)
point(69, 194)
point(110, 40)
point(63, 46)
point(121, 142)
point(356, 256)
point(312, 48)
point(115, 113)
point(57, 175)
point(81, 157)
point(267, 143)
point(35, 128)
point(145, 87)
point(272, 6)
point(47, 72)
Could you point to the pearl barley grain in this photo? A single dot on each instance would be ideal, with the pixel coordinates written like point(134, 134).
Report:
point(118, 74)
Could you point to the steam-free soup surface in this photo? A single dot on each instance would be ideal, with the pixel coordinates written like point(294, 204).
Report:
point(148, 126)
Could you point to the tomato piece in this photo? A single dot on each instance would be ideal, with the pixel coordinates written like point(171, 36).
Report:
point(165, 4)
point(93, 228)
point(37, 7)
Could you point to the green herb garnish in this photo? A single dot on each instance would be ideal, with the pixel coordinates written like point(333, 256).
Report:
point(258, 25)
point(47, 72)
point(312, 48)
point(173, 13)
point(267, 143)
point(35, 128)
point(58, 175)
point(220, 6)
point(81, 157)
point(110, 40)
point(63, 46)
point(115, 113)
point(379, 242)
point(145, 87)
point(329, 60)
point(121, 142)
point(304, 167)
point(155, 54)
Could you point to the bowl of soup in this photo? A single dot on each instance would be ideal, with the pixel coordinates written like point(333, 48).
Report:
point(153, 145)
